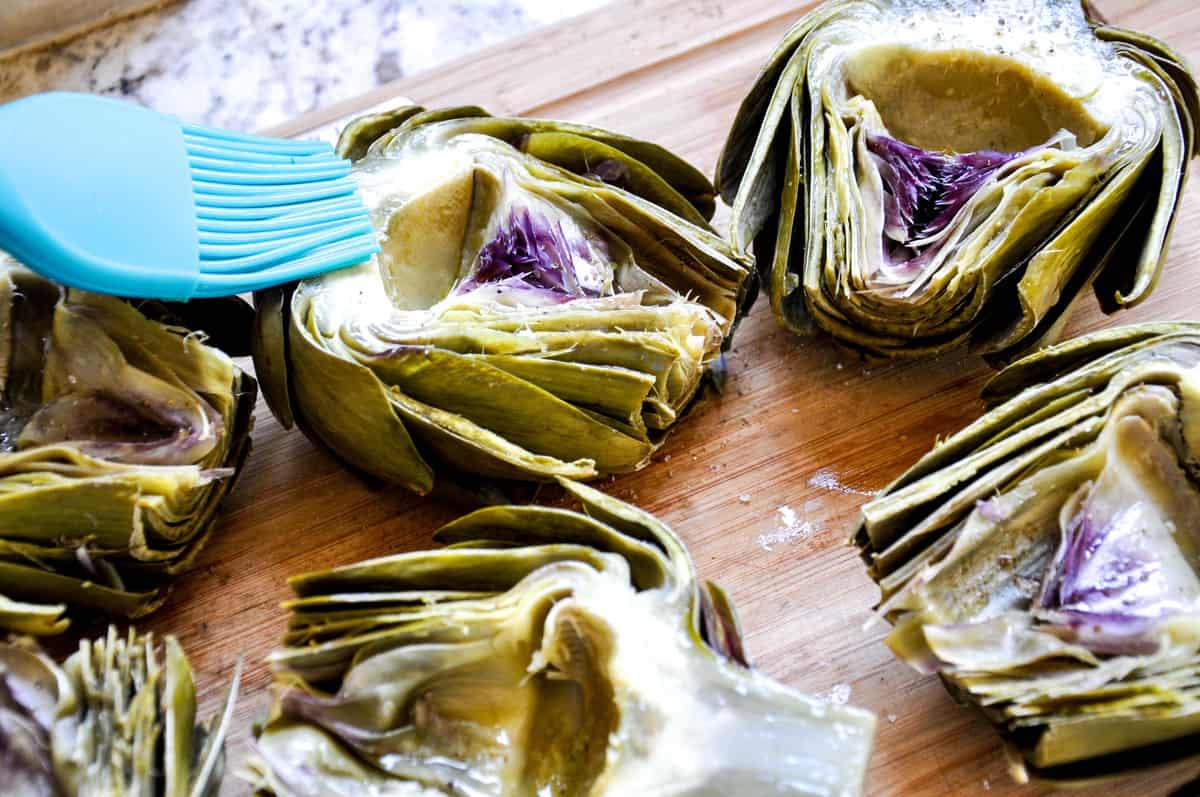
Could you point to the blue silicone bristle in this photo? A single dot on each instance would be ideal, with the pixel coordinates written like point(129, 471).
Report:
point(271, 211)
point(104, 195)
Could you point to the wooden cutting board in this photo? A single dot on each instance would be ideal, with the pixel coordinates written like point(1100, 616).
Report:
point(763, 483)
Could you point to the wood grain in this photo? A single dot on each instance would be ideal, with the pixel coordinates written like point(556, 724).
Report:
point(801, 425)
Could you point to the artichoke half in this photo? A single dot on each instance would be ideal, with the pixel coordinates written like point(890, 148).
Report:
point(547, 300)
point(117, 719)
point(119, 435)
point(1045, 560)
point(918, 174)
point(543, 652)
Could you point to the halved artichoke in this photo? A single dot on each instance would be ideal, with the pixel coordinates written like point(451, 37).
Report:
point(119, 435)
point(117, 719)
point(1045, 560)
point(919, 174)
point(546, 652)
point(546, 303)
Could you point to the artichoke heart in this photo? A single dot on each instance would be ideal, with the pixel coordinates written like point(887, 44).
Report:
point(116, 719)
point(546, 303)
point(543, 652)
point(1045, 560)
point(915, 175)
point(119, 435)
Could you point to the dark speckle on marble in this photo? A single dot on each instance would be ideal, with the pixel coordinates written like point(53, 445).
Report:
point(387, 66)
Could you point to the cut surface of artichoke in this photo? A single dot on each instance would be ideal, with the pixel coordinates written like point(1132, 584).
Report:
point(119, 435)
point(543, 652)
point(1045, 560)
point(915, 174)
point(116, 719)
point(546, 303)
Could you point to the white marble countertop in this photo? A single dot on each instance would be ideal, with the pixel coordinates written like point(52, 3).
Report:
point(250, 64)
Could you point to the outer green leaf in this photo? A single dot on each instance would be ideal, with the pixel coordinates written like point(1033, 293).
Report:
point(1092, 160)
point(1045, 560)
point(119, 435)
point(442, 354)
point(545, 651)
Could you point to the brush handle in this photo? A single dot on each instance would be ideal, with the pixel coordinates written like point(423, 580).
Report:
point(97, 193)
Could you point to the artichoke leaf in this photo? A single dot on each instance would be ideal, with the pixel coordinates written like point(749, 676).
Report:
point(301, 760)
point(116, 719)
point(357, 136)
point(903, 498)
point(357, 417)
point(511, 407)
point(119, 436)
point(268, 347)
point(34, 619)
point(616, 392)
point(587, 156)
point(677, 173)
point(584, 658)
point(926, 175)
point(29, 691)
point(470, 447)
point(82, 590)
point(1045, 561)
point(649, 568)
point(547, 301)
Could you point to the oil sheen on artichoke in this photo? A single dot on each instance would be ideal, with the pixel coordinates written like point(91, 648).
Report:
point(544, 653)
point(1045, 560)
point(119, 435)
point(547, 301)
point(915, 174)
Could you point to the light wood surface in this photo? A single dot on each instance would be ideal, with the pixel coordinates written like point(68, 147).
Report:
point(801, 425)
point(30, 24)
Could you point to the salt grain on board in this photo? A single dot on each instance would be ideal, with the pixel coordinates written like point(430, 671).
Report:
point(839, 695)
point(826, 479)
point(788, 528)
